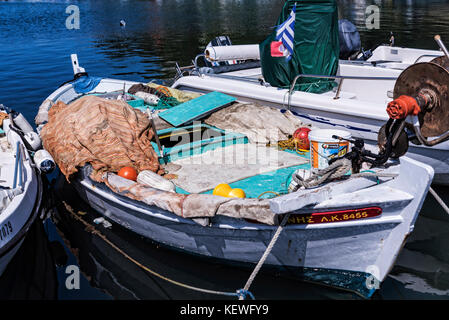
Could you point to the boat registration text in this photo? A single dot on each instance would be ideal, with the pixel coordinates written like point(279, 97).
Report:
point(334, 216)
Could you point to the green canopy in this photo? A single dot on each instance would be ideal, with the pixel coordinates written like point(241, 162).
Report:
point(316, 47)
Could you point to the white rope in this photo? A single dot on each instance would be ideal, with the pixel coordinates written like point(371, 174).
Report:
point(265, 255)
point(336, 170)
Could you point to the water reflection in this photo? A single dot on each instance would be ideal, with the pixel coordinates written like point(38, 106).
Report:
point(31, 274)
point(422, 268)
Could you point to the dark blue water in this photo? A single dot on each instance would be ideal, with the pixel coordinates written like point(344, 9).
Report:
point(35, 48)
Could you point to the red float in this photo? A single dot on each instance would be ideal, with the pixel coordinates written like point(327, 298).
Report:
point(128, 173)
point(301, 138)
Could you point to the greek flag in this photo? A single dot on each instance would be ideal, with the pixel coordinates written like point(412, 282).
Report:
point(285, 33)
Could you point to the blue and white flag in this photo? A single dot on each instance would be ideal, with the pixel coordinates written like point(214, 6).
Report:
point(285, 34)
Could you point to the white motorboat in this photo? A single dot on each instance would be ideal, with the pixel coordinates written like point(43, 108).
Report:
point(358, 104)
point(20, 187)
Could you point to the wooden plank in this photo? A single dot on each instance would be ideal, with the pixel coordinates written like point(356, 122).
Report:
point(196, 108)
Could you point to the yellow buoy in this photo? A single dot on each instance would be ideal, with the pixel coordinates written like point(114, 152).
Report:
point(237, 193)
point(222, 190)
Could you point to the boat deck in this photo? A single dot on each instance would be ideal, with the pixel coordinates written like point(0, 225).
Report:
point(202, 156)
point(7, 163)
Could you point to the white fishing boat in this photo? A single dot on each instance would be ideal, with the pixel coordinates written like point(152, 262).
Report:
point(345, 233)
point(20, 186)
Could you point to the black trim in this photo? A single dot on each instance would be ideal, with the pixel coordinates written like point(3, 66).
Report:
point(75, 77)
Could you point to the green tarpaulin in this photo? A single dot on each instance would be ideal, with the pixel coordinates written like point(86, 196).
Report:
point(316, 47)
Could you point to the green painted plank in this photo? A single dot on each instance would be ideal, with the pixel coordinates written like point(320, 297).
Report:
point(276, 181)
point(196, 108)
point(196, 146)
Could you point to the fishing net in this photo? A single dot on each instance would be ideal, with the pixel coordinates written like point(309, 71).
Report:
point(250, 119)
point(168, 97)
point(108, 134)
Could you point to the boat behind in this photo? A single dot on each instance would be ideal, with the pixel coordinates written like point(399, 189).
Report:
point(357, 104)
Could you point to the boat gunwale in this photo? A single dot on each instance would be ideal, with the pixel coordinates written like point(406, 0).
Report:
point(145, 209)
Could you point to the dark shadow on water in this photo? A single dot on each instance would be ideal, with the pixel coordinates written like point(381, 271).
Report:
point(422, 268)
point(31, 274)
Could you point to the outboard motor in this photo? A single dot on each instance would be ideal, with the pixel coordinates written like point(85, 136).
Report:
point(350, 44)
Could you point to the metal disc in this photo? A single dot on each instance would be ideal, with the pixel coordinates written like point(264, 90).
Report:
point(401, 146)
point(431, 76)
point(442, 61)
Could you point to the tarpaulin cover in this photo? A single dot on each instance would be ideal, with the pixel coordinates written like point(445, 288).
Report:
point(85, 84)
point(316, 47)
point(108, 134)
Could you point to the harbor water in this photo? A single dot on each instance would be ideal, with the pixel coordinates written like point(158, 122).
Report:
point(36, 41)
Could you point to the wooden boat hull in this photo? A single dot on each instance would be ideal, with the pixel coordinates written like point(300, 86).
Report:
point(345, 254)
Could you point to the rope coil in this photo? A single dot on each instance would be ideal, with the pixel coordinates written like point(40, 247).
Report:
point(289, 144)
point(336, 170)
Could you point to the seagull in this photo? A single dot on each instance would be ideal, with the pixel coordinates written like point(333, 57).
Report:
point(122, 23)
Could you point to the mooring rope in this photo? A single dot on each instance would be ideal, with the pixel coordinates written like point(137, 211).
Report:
point(439, 200)
point(241, 293)
point(265, 254)
point(290, 144)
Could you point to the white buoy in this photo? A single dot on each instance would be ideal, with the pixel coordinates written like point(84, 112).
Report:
point(33, 140)
point(236, 52)
point(149, 98)
point(154, 180)
point(44, 161)
point(20, 121)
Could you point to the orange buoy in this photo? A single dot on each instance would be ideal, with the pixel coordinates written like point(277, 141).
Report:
point(128, 173)
point(301, 138)
point(222, 190)
point(237, 193)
